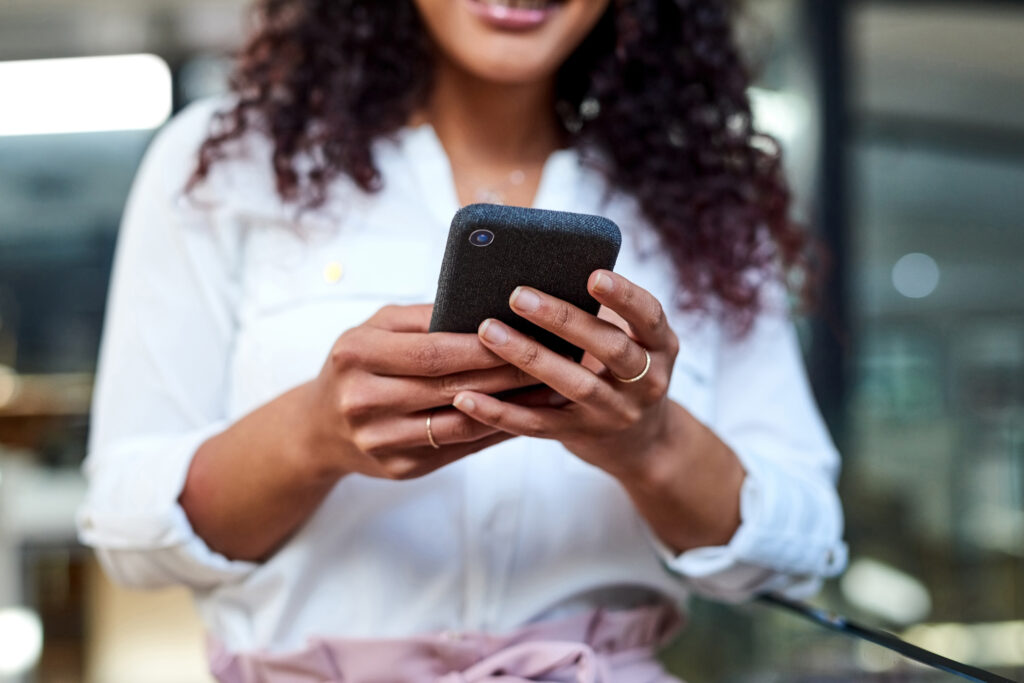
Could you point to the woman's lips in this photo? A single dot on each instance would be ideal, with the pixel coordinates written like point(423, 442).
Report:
point(506, 16)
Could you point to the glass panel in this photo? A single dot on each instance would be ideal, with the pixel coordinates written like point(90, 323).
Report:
point(933, 479)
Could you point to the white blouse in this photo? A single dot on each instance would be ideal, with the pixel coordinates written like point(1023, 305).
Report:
point(222, 302)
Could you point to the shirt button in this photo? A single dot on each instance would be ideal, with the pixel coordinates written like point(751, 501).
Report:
point(333, 273)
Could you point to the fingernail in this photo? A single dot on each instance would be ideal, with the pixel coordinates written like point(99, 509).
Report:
point(465, 403)
point(494, 332)
point(603, 284)
point(525, 300)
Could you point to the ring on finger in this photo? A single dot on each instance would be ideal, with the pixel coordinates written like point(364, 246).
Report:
point(643, 373)
point(430, 432)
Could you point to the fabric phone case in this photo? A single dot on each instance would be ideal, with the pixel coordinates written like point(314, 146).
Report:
point(552, 251)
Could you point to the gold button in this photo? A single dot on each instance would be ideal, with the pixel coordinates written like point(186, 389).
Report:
point(333, 273)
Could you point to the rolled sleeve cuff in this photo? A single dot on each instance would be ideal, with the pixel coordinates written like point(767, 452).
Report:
point(788, 540)
point(133, 519)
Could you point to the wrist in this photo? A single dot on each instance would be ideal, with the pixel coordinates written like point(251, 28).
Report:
point(657, 463)
point(688, 487)
point(314, 454)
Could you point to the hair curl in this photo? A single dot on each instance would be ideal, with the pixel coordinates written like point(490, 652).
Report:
point(658, 87)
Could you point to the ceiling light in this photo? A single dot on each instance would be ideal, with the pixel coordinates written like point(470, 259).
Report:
point(84, 94)
point(21, 640)
point(915, 276)
point(886, 592)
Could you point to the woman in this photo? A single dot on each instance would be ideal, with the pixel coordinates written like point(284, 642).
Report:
point(275, 429)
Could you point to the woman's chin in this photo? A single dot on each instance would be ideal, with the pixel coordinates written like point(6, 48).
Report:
point(506, 69)
point(510, 41)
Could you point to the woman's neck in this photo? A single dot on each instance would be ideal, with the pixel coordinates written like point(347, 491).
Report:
point(493, 124)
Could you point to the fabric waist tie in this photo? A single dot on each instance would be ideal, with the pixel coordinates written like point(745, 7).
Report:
point(599, 646)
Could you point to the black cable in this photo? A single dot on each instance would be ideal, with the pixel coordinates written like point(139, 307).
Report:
point(836, 622)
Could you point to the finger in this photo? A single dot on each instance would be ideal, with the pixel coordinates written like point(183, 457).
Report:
point(543, 423)
point(413, 394)
point(422, 355)
point(636, 305)
point(419, 462)
point(568, 378)
point(414, 318)
point(452, 452)
point(606, 342)
point(448, 427)
point(543, 397)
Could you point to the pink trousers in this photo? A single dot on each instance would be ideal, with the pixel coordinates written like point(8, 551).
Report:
point(596, 647)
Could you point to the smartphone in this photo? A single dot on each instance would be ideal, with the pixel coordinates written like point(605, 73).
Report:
point(493, 249)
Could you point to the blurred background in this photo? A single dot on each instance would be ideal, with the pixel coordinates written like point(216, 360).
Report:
point(904, 127)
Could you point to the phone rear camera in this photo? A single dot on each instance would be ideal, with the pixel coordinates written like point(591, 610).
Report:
point(481, 238)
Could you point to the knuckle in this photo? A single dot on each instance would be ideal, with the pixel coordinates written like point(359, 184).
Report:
point(450, 385)
point(657, 386)
point(533, 428)
point(400, 467)
point(628, 293)
point(562, 317)
point(631, 415)
point(369, 443)
point(655, 317)
point(388, 311)
point(355, 404)
point(429, 358)
point(344, 354)
point(530, 355)
point(621, 348)
point(672, 346)
point(586, 389)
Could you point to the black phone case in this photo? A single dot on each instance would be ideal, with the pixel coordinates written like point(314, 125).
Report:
point(553, 251)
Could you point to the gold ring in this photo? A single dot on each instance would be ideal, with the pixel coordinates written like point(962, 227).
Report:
point(430, 433)
point(634, 380)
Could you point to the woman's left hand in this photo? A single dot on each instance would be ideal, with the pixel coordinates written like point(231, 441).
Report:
point(608, 422)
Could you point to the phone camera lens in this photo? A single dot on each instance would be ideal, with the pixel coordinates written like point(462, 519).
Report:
point(481, 238)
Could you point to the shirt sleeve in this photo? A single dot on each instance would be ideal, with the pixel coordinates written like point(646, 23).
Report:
point(163, 369)
point(790, 536)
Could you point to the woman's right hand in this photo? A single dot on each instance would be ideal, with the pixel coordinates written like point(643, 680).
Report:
point(252, 486)
point(369, 405)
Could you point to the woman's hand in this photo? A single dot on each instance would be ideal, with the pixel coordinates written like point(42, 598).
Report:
point(250, 487)
point(369, 406)
point(610, 423)
point(682, 478)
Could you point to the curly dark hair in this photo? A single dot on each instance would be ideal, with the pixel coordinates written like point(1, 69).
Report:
point(658, 87)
